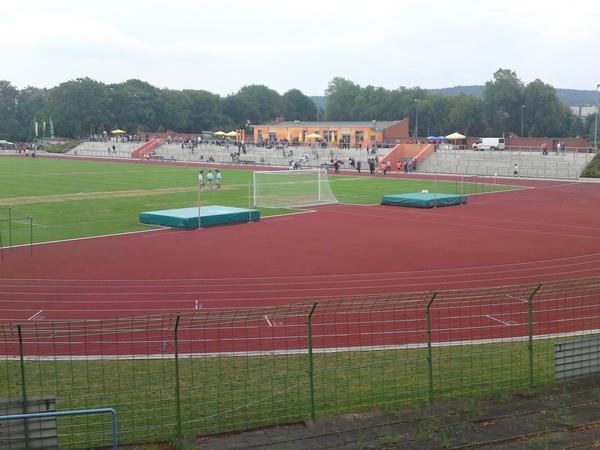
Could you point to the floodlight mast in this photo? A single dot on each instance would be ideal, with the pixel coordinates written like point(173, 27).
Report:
point(596, 125)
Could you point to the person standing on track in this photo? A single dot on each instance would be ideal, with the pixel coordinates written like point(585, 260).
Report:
point(516, 171)
point(201, 180)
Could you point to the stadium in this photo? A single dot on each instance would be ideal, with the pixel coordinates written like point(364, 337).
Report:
point(327, 301)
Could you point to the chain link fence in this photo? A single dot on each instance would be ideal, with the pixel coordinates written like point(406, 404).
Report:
point(210, 372)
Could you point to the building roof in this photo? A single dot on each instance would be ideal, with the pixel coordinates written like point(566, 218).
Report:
point(380, 124)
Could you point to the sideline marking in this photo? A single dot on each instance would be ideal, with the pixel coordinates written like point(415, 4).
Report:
point(518, 299)
point(35, 316)
point(503, 322)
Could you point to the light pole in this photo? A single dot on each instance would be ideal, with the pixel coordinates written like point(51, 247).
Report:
point(417, 100)
point(522, 113)
point(596, 125)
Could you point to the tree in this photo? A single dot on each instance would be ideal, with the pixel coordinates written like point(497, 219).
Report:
point(135, 103)
point(545, 114)
point(31, 105)
point(341, 95)
point(503, 98)
point(80, 107)
point(437, 107)
point(9, 126)
point(466, 115)
point(297, 106)
point(267, 103)
point(241, 108)
point(370, 104)
point(206, 111)
point(174, 112)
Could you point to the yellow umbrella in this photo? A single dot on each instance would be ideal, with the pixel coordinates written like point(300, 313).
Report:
point(455, 135)
point(219, 133)
point(313, 135)
point(118, 132)
point(300, 137)
point(231, 133)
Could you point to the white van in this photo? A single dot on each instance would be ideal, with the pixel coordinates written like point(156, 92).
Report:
point(489, 144)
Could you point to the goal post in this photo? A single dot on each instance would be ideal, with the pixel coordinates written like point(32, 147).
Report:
point(292, 188)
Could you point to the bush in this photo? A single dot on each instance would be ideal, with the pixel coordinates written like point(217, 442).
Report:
point(592, 170)
point(62, 148)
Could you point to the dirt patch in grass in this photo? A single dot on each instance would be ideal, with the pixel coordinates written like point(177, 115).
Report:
point(96, 195)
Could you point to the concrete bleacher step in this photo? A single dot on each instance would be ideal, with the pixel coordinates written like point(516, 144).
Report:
point(531, 164)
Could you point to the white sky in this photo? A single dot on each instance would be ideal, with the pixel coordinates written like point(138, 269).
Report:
point(222, 45)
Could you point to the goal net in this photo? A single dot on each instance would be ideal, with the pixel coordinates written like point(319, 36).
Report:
point(292, 188)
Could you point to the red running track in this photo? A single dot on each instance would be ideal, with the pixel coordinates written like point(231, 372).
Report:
point(548, 232)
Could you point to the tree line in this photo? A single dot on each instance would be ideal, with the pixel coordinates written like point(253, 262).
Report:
point(83, 107)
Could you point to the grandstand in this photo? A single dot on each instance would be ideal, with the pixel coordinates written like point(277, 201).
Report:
point(532, 163)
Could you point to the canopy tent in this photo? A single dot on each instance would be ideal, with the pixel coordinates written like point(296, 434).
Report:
point(456, 135)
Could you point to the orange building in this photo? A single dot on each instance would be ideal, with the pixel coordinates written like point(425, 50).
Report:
point(354, 133)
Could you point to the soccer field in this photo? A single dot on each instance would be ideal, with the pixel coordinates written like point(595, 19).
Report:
point(69, 199)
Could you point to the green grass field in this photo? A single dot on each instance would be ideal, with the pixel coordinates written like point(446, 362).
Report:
point(69, 199)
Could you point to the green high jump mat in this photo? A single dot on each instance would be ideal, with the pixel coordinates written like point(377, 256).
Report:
point(423, 200)
point(209, 216)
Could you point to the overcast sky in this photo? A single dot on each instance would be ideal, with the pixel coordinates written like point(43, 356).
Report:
point(222, 45)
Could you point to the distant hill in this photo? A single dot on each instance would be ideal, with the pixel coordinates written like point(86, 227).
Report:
point(476, 91)
point(320, 101)
point(571, 97)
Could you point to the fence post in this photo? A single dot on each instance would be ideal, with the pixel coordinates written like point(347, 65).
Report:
point(311, 372)
point(177, 387)
point(530, 332)
point(23, 383)
point(429, 352)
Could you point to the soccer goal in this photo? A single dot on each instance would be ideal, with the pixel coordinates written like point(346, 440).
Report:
point(14, 223)
point(292, 188)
